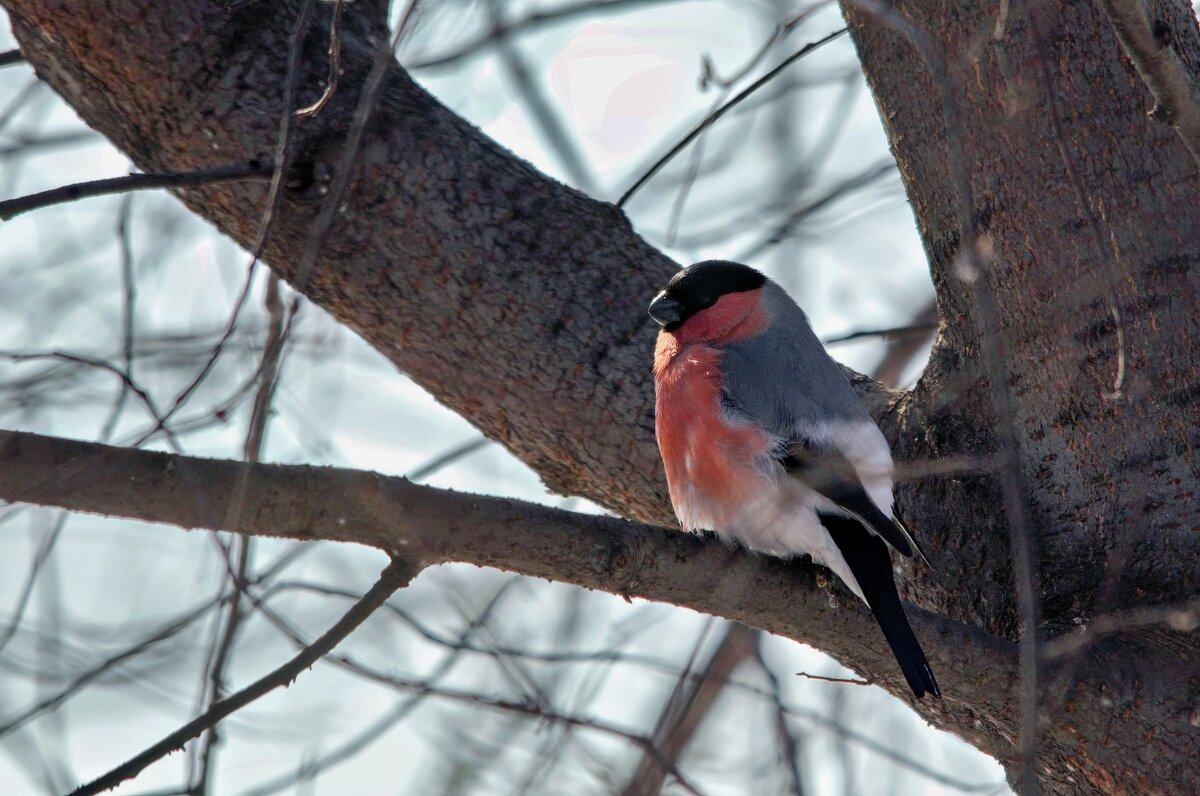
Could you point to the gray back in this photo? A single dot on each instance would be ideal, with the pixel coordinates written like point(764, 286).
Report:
point(783, 378)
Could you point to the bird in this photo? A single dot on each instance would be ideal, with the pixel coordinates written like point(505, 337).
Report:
point(765, 442)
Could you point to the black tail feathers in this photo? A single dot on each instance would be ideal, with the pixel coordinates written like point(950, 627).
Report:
point(890, 615)
point(869, 561)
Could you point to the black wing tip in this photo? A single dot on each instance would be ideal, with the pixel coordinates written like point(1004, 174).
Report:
point(904, 548)
point(908, 537)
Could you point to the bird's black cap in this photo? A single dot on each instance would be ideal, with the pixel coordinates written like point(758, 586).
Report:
point(698, 287)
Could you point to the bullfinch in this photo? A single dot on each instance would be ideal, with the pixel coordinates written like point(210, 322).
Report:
point(765, 442)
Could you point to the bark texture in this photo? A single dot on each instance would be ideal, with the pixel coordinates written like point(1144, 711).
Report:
point(1083, 206)
point(519, 303)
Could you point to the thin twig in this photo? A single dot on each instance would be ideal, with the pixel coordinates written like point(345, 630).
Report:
point(397, 573)
point(528, 24)
point(24, 144)
point(789, 743)
point(525, 707)
point(839, 680)
point(27, 92)
point(267, 375)
point(49, 542)
point(445, 459)
point(713, 117)
point(234, 172)
point(274, 199)
point(726, 85)
point(214, 679)
point(269, 369)
point(871, 174)
point(646, 743)
point(128, 314)
point(11, 58)
point(237, 580)
point(378, 729)
point(161, 633)
point(902, 350)
point(100, 364)
point(689, 704)
point(53, 701)
point(335, 63)
point(888, 333)
point(332, 204)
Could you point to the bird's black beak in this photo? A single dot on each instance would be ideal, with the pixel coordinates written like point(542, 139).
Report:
point(665, 311)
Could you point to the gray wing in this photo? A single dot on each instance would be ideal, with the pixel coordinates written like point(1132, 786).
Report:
point(783, 380)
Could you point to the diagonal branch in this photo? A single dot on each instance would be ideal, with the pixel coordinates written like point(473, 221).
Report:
point(689, 704)
point(397, 573)
point(464, 266)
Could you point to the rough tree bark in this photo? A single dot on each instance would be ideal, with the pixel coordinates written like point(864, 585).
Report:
point(519, 303)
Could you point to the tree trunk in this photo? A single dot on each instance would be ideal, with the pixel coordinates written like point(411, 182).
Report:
point(519, 303)
point(1084, 209)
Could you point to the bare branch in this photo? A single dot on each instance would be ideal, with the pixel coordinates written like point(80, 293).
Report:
point(525, 707)
point(335, 63)
point(54, 700)
point(377, 729)
point(789, 741)
point(839, 680)
point(715, 116)
point(687, 707)
point(235, 172)
point(1184, 618)
point(901, 350)
point(99, 364)
point(543, 114)
point(443, 460)
point(395, 576)
point(890, 333)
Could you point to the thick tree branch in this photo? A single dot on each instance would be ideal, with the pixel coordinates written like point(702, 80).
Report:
point(431, 526)
point(459, 262)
